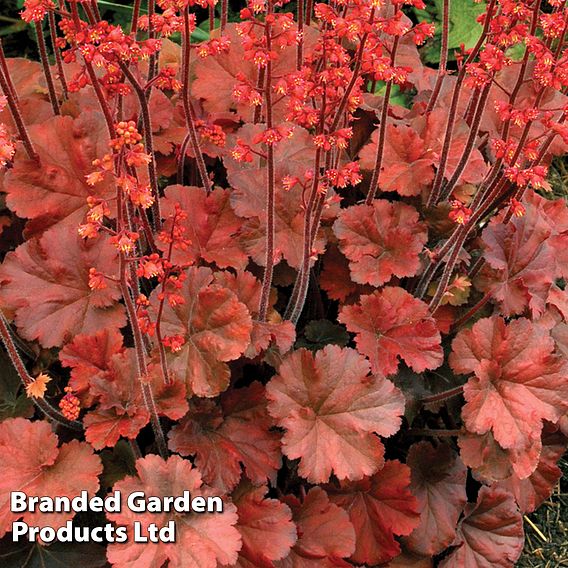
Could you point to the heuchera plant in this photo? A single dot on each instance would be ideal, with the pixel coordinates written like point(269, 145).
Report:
point(239, 266)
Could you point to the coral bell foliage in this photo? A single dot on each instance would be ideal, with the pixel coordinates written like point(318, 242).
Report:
point(239, 266)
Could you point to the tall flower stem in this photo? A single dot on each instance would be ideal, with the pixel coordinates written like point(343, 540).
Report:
point(452, 112)
point(141, 364)
point(58, 59)
point(270, 182)
point(443, 56)
point(148, 142)
point(382, 132)
point(93, 78)
point(224, 14)
point(188, 107)
point(300, 47)
point(315, 204)
point(135, 16)
point(354, 76)
point(470, 144)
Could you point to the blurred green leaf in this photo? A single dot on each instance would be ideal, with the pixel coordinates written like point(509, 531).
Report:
point(403, 99)
point(463, 26)
point(13, 29)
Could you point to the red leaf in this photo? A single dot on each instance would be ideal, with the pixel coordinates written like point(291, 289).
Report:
point(325, 534)
point(381, 240)
point(57, 191)
point(266, 527)
point(525, 256)
point(518, 381)
point(379, 508)
point(412, 150)
point(224, 437)
point(32, 462)
point(89, 356)
point(29, 82)
point(392, 323)
point(534, 490)
point(46, 282)
point(438, 482)
point(203, 540)
point(293, 156)
point(549, 99)
point(216, 76)
point(216, 328)
point(248, 288)
point(264, 334)
point(121, 410)
point(491, 533)
point(407, 161)
point(490, 462)
point(432, 128)
point(331, 409)
point(335, 278)
point(211, 226)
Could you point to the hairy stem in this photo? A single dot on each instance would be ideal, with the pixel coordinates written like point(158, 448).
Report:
point(382, 133)
point(141, 365)
point(57, 52)
point(470, 144)
point(188, 107)
point(135, 17)
point(472, 311)
point(14, 106)
point(444, 395)
point(148, 143)
point(224, 14)
point(443, 56)
point(300, 47)
point(270, 184)
point(452, 113)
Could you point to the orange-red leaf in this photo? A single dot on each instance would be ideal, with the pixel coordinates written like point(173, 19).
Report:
point(332, 410)
point(216, 328)
point(211, 226)
point(57, 191)
point(325, 533)
point(438, 482)
point(226, 436)
point(407, 161)
point(525, 256)
point(518, 380)
point(536, 488)
point(392, 323)
point(121, 410)
point(33, 463)
point(266, 527)
point(381, 240)
point(379, 508)
point(90, 356)
point(203, 540)
point(46, 282)
point(491, 533)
